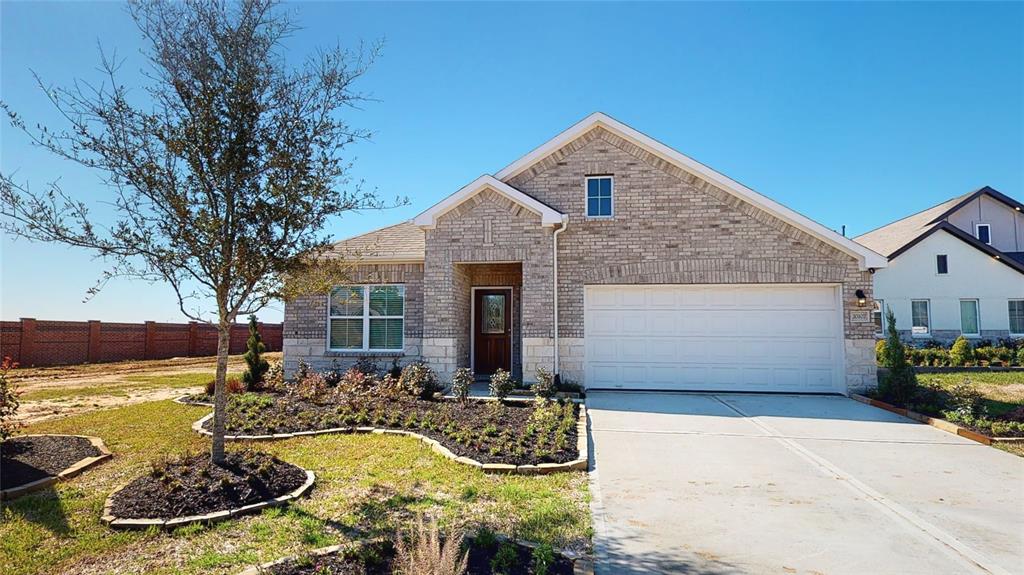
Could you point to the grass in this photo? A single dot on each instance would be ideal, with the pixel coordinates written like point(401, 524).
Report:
point(123, 386)
point(366, 484)
point(1003, 390)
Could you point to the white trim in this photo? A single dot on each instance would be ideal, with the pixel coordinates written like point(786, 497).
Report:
point(977, 235)
point(928, 311)
point(586, 197)
point(881, 311)
point(1009, 324)
point(511, 325)
point(865, 257)
point(977, 317)
point(366, 317)
point(428, 219)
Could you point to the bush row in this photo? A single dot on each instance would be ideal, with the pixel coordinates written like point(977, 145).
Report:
point(962, 353)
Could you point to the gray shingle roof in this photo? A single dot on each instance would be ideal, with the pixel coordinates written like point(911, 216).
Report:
point(889, 238)
point(400, 242)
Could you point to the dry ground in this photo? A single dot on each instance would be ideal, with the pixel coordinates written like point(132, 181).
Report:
point(49, 392)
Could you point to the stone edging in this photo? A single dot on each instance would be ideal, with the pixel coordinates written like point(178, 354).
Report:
point(581, 564)
point(76, 468)
point(125, 523)
point(578, 464)
point(937, 423)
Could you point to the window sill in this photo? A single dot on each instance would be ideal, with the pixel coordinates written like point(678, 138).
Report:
point(362, 353)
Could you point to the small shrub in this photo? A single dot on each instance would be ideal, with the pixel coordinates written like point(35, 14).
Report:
point(256, 366)
point(961, 352)
point(313, 387)
point(273, 380)
point(879, 351)
point(485, 538)
point(231, 385)
point(543, 557)
point(544, 389)
point(366, 366)
point(900, 383)
point(389, 387)
point(462, 381)
point(8, 401)
point(501, 384)
point(505, 559)
point(420, 380)
point(966, 399)
point(1020, 356)
point(420, 552)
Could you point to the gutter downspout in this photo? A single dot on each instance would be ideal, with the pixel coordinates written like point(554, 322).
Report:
point(554, 254)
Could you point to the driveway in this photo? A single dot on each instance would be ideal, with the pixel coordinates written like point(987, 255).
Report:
point(737, 483)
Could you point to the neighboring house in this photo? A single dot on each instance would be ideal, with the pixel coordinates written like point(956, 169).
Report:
point(669, 276)
point(954, 269)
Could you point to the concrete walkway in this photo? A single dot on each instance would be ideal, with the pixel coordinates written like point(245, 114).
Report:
point(736, 483)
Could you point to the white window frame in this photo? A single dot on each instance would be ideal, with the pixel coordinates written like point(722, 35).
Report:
point(928, 312)
point(977, 232)
point(1009, 324)
point(937, 272)
point(881, 313)
point(586, 196)
point(977, 316)
point(366, 317)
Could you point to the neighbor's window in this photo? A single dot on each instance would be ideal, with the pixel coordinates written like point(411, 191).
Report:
point(919, 317)
point(941, 264)
point(599, 196)
point(878, 315)
point(1016, 307)
point(984, 233)
point(969, 317)
point(367, 318)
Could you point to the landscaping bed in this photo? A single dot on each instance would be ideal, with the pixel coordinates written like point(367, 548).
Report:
point(484, 557)
point(30, 458)
point(193, 485)
point(516, 433)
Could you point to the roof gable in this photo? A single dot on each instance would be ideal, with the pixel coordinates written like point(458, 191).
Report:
point(549, 216)
point(864, 255)
point(964, 237)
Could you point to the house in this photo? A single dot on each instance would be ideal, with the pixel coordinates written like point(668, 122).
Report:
point(616, 262)
point(954, 269)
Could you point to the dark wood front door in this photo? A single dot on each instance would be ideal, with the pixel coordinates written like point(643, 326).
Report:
point(492, 330)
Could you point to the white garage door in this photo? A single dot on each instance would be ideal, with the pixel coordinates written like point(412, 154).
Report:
point(724, 338)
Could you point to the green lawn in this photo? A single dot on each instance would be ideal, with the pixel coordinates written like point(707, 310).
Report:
point(122, 386)
point(366, 484)
point(1003, 390)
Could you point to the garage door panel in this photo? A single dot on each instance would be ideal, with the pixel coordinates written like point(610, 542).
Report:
point(742, 338)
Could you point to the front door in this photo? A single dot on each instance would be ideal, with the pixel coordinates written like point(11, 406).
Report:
point(492, 330)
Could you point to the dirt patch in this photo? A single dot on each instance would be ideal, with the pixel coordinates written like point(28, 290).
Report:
point(27, 459)
point(27, 377)
point(192, 485)
point(37, 411)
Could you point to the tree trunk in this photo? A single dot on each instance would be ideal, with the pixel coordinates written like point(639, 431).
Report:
point(220, 393)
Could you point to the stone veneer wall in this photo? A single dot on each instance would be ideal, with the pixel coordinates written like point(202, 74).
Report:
point(672, 227)
point(488, 228)
point(305, 321)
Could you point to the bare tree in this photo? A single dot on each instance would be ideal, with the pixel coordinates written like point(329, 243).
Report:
point(223, 178)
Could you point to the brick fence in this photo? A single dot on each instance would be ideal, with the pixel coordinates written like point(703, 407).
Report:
point(33, 342)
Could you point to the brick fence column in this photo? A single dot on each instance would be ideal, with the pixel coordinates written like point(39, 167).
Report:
point(26, 351)
point(193, 338)
point(95, 352)
point(150, 340)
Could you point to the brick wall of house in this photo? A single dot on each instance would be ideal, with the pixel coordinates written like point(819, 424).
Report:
point(672, 227)
point(487, 228)
point(41, 343)
point(305, 321)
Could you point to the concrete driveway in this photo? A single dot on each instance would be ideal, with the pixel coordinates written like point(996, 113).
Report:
point(736, 483)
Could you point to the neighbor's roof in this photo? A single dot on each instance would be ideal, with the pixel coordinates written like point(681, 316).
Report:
point(896, 238)
point(398, 243)
point(889, 239)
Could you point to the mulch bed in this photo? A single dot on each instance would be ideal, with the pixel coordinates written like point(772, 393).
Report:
point(192, 485)
point(490, 432)
point(377, 559)
point(27, 459)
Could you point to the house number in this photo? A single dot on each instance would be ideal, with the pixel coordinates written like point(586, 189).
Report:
point(860, 316)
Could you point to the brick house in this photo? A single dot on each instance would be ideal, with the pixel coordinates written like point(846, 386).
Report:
point(669, 275)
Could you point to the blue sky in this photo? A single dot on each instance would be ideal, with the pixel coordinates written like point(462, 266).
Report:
point(852, 114)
